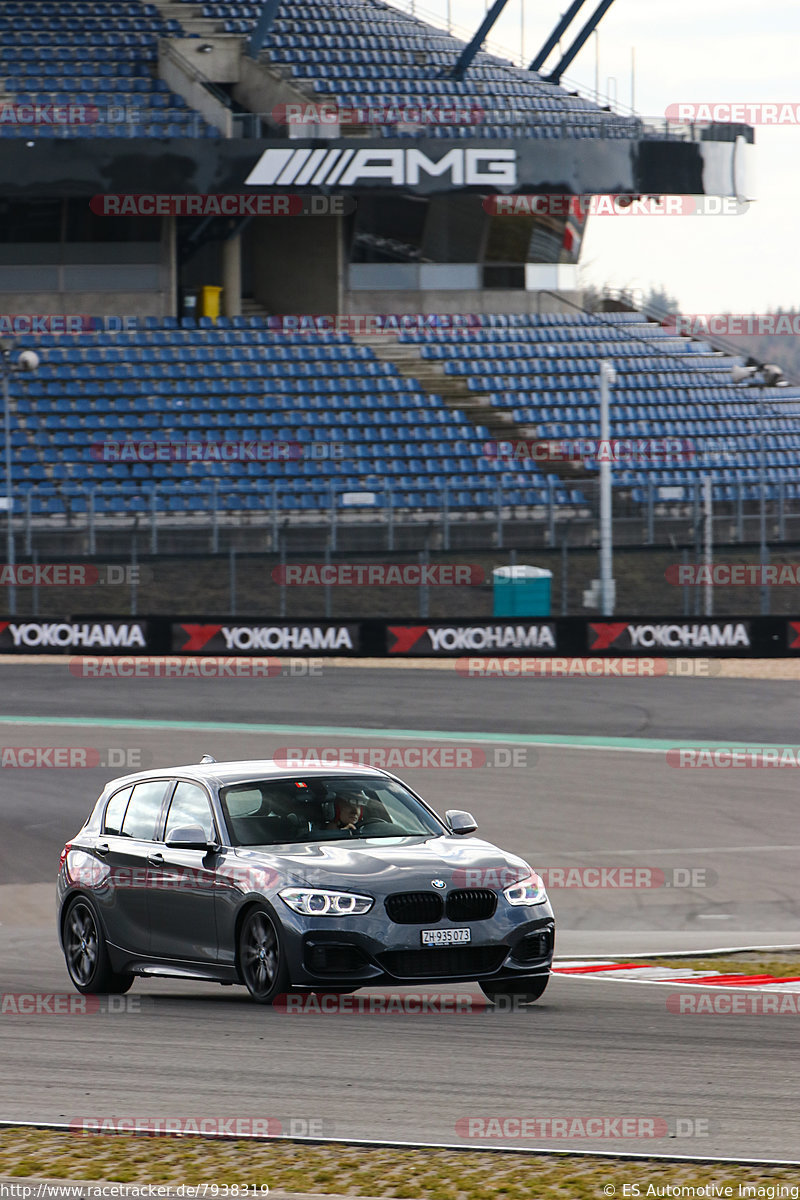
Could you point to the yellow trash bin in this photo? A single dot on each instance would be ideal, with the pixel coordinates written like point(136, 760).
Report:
point(209, 301)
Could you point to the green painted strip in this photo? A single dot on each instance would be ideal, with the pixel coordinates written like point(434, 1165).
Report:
point(554, 741)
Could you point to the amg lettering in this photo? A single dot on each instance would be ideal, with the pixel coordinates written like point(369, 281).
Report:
point(400, 168)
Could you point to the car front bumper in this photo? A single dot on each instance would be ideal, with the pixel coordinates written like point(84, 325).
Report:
point(357, 951)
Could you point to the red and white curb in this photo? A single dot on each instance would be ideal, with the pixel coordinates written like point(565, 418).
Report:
point(639, 972)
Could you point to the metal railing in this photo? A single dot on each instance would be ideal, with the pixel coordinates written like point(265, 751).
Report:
point(210, 509)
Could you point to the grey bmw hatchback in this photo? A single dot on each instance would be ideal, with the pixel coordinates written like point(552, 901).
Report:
point(325, 880)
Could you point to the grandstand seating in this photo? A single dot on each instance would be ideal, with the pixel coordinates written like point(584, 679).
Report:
point(241, 381)
point(364, 52)
point(91, 54)
point(356, 53)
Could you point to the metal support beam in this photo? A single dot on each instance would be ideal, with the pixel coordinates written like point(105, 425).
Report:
point(265, 22)
point(607, 588)
point(469, 52)
point(12, 587)
point(763, 548)
point(556, 36)
point(708, 544)
point(194, 240)
point(580, 41)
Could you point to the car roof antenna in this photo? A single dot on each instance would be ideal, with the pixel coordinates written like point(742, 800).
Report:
point(207, 759)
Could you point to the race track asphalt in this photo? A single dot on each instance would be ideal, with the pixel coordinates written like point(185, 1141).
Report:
point(588, 1049)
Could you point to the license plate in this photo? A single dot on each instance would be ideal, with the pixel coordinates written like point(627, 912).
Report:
point(445, 937)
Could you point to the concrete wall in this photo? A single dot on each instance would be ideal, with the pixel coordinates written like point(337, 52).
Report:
point(93, 304)
point(183, 70)
point(126, 278)
point(219, 65)
point(492, 301)
point(297, 263)
point(260, 90)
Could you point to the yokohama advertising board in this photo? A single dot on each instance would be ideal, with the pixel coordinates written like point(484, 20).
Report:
point(50, 637)
point(496, 637)
point(266, 637)
point(669, 636)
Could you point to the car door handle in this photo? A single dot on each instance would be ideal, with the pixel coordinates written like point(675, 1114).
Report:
point(101, 850)
point(156, 859)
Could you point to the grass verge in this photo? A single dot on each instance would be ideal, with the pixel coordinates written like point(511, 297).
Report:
point(787, 963)
point(359, 1171)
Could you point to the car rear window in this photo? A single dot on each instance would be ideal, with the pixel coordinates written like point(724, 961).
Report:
point(190, 806)
point(143, 810)
point(115, 810)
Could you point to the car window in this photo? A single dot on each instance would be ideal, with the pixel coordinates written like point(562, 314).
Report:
point(115, 810)
point(190, 806)
point(273, 812)
point(244, 802)
point(143, 809)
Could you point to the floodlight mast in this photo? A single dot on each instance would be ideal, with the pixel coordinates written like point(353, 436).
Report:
point(580, 41)
point(468, 53)
point(556, 36)
point(263, 26)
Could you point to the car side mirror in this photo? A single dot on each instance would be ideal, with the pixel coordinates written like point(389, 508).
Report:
point(190, 837)
point(460, 822)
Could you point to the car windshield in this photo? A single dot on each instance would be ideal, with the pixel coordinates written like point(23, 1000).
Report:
point(274, 812)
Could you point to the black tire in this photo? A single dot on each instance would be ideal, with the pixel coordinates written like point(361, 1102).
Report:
point(86, 953)
point(262, 963)
point(511, 992)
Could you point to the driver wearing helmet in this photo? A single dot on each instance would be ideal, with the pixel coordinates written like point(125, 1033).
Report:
point(347, 812)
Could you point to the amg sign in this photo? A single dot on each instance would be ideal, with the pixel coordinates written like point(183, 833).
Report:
point(348, 168)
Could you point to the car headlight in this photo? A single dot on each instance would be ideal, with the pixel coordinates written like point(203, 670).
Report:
point(528, 892)
point(316, 902)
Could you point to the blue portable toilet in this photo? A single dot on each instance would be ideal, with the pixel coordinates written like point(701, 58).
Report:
point(521, 591)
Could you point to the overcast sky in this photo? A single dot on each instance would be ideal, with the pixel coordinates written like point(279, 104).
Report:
point(686, 50)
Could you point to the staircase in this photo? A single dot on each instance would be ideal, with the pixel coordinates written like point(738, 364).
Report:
point(477, 406)
point(251, 308)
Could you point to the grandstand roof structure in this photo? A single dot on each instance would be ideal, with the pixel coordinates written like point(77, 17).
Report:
point(136, 74)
